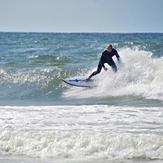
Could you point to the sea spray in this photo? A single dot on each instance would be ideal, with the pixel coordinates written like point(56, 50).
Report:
point(139, 74)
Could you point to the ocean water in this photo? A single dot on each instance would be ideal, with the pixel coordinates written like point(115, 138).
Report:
point(44, 120)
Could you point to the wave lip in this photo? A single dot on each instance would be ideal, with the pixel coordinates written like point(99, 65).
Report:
point(140, 74)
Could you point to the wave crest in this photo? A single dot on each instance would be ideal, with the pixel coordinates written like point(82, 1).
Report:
point(139, 74)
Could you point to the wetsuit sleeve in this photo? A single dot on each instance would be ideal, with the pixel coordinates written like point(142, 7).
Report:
point(117, 55)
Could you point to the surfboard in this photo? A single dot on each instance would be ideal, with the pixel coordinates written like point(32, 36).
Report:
point(79, 82)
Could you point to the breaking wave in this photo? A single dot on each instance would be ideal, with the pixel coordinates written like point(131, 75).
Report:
point(140, 74)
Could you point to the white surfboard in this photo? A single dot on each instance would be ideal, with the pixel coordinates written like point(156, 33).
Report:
point(80, 82)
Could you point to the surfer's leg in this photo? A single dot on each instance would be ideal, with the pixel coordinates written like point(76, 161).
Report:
point(113, 66)
point(96, 72)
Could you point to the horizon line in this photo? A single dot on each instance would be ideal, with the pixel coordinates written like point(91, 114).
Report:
point(66, 32)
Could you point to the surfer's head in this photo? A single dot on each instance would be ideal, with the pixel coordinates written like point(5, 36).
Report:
point(109, 48)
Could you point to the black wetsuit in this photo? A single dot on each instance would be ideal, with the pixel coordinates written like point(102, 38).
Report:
point(107, 58)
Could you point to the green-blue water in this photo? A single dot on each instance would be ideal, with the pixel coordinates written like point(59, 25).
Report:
point(32, 66)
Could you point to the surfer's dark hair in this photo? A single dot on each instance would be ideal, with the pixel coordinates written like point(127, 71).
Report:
point(110, 45)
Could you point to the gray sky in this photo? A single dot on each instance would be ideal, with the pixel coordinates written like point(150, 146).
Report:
point(81, 15)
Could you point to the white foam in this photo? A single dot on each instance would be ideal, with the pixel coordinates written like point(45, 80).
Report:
point(82, 132)
point(139, 74)
point(28, 76)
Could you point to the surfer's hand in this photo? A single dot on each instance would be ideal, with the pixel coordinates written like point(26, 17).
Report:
point(105, 69)
point(119, 60)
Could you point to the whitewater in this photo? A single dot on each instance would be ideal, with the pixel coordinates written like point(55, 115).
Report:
point(95, 132)
point(139, 75)
point(44, 120)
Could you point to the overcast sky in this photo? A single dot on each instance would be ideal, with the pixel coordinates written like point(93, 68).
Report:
point(81, 15)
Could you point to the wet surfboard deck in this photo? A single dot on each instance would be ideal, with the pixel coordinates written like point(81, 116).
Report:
point(80, 82)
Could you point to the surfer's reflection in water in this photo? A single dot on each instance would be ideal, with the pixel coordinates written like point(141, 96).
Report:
point(106, 57)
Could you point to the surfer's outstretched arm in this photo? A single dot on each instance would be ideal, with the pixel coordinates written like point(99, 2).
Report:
point(118, 57)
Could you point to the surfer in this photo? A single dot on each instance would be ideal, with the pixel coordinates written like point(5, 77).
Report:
point(106, 57)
